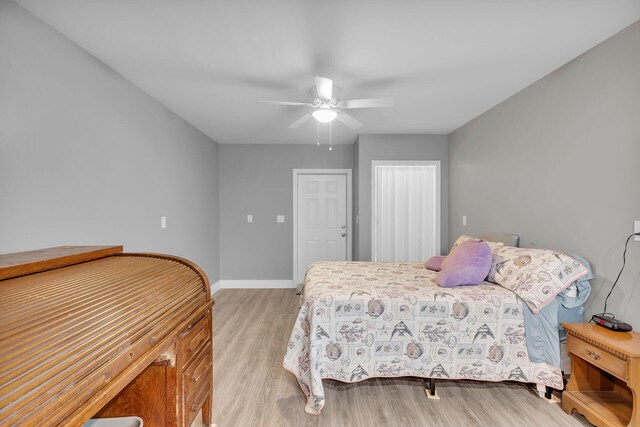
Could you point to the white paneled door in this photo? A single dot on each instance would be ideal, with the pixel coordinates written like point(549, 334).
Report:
point(322, 226)
point(406, 210)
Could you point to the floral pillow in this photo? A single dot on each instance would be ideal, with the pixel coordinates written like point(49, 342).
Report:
point(535, 275)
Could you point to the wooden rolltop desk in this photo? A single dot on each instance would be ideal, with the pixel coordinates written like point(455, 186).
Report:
point(89, 331)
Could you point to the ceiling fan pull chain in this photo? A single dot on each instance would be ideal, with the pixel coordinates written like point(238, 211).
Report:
point(330, 146)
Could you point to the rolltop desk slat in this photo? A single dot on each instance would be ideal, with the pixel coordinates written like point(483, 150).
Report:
point(91, 331)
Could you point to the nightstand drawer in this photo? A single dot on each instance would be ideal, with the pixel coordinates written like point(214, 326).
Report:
point(598, 357)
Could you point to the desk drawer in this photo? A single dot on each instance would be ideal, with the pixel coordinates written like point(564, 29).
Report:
point(597, 357)
point(198, 372)
point(195, 339)
point(195, 402)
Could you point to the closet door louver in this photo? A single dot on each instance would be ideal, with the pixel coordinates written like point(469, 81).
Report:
point(406, 211)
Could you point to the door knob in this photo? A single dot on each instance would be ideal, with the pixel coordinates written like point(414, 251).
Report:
point(344, 234)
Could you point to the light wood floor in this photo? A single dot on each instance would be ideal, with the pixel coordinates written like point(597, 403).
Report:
point(251, 329)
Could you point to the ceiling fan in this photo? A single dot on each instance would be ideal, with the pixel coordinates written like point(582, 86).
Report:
point(326, 108)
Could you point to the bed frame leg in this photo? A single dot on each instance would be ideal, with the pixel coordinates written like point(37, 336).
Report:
point(432, 386)
point(430, 390)
point(548, 391)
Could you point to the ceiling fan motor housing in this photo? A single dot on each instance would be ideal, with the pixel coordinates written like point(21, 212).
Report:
point(327, 108)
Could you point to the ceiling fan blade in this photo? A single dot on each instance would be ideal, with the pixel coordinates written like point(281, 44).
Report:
point(300, 121)
point(366, 103)
point(284, 102)
point(348, 120)
point(324, 88)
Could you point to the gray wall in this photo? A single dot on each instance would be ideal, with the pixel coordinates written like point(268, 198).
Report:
point(88, 158)
point(396, 147)
point(559, 164)
point(257, 179)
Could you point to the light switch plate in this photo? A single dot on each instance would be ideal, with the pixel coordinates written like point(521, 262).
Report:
point(464, 220)
point(636, 229)
point(163, 222)
point(279, 219)
point(249, 218)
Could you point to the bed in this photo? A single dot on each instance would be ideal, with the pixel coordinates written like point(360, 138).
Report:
point(361, 320)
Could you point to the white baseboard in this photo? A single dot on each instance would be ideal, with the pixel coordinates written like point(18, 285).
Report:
point(251, 284)
point(215, 287)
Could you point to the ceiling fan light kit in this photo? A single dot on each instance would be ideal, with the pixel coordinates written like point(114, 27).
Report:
point(324, 115)
point(326, 109)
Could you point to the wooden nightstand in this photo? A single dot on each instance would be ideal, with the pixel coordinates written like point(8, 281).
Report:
point(605, 374)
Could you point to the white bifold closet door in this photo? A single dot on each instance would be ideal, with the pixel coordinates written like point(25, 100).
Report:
point(406, 210)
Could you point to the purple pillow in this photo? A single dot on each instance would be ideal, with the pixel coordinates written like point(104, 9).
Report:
point(434, 263)
point(467, 264)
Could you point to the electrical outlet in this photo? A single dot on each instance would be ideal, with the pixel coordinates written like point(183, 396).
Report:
point(280, 219)
point(636, 229)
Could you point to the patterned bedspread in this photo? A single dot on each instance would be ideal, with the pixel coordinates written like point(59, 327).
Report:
point(360, 320)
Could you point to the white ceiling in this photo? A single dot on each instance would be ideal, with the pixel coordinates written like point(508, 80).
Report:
point(444, 62)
